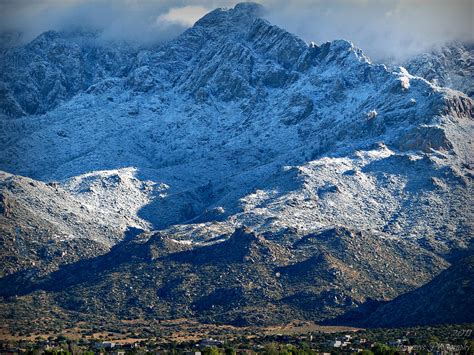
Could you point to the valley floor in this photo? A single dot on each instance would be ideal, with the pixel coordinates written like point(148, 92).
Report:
point(129, 331)
point(189, 336)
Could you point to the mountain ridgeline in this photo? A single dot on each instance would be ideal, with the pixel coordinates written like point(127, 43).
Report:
point(235, 174)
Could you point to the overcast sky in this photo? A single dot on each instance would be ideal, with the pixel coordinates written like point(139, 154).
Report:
point(382, 28)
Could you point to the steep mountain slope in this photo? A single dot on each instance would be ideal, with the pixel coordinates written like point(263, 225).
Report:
point(451, 66)
point(36, 222)
point(242, 279)
point(446, 299)
point(44, 225)
point(54, 67)
point(325, 98)
point(356, 180)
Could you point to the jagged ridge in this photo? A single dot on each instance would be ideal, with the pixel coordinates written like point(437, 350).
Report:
point(238, 122)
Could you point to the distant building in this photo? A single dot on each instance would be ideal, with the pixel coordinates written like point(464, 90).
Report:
point(207, 343)
point(347, 338)
point(336, 343)
point(130, 346)
point(105, 345)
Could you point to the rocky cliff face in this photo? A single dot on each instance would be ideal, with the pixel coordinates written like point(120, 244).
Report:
point(342, 169)
point(54, 67)
point(451, 65)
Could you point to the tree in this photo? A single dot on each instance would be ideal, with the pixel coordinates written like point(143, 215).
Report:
point(271, 349)
point(382, 349)
point(211, 351)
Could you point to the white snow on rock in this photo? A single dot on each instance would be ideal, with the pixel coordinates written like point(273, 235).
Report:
point(238, 122)
point(449, 65)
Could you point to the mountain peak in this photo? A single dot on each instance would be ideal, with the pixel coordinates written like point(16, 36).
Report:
point(338, 167)
point(243, 14)
point(249, 8)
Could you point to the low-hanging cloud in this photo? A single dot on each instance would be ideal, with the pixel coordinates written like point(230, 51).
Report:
point(138, 21)
point(384, 29)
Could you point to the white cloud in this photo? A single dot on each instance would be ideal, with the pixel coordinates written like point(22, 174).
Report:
point(382, 28)
point(185, 16)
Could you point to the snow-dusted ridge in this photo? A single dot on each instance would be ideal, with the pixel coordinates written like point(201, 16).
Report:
point(232, 95)
point(451, 65)
point(236, 122)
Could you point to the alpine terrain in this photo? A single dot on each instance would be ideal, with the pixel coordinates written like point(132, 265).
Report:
point(234, 175)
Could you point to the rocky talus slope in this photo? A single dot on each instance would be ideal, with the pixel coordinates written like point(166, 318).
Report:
point(243, 279)
point(444, 300)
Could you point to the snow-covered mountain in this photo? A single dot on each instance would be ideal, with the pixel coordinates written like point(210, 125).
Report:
point(234, 123)
point(56, 66)
point(450, 65)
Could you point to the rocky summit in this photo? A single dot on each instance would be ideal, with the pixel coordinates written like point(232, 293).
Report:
point(235, 174)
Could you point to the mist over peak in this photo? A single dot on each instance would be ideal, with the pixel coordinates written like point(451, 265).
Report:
point(391, 30)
